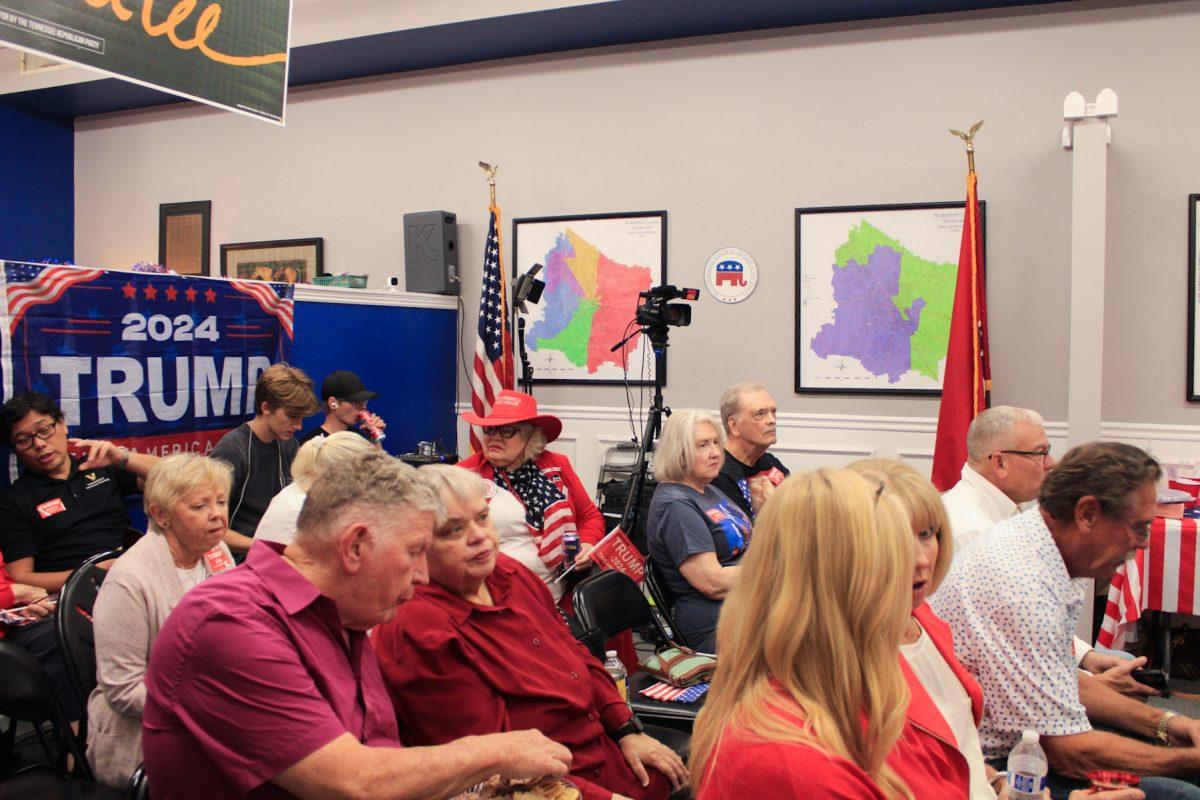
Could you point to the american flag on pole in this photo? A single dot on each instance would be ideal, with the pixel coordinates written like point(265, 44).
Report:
point(493, 367)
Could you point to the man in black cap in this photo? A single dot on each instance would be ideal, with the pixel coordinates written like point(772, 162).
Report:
point(345, 400)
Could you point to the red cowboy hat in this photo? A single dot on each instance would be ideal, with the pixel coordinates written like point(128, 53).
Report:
point(513, 407)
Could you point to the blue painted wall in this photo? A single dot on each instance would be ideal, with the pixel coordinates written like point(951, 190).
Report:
point(405, 354)
point(37, 176)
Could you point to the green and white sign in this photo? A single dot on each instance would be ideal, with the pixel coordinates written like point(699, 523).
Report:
point(232, 53)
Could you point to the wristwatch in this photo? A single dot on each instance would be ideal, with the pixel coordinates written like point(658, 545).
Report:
point(633, 726)
point(124, 459)
point(1161, 732)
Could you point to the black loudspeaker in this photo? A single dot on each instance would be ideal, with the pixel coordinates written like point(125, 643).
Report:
point(431, 252)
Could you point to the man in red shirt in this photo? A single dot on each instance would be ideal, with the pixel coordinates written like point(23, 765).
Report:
point(262, 682)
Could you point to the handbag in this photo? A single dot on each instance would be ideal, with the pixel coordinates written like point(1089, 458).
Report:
point(680, 666)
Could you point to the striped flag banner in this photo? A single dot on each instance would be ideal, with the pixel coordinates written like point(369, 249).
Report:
point(1162, 577)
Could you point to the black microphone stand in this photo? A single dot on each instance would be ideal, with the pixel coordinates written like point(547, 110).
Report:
point(526, 367)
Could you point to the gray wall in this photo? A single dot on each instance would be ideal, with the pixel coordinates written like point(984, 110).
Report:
point(731, 134)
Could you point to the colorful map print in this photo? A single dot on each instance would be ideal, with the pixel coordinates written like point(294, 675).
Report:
point(891, 307)
point(589, 301)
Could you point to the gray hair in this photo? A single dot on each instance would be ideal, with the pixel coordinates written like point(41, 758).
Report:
point(732, 398)
point(1108, 471)
point(675, 453)
point(173, 477)
point(373, 485)
point(319, 454)
point(990, 429)
point(459, 483)
point(537, 442)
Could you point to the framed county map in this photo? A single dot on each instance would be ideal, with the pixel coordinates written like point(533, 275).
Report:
point(874, 296)
point(595, 267)
point(1193, 378)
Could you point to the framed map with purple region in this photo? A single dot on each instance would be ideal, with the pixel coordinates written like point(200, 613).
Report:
point(874, 295)
point(595, 267)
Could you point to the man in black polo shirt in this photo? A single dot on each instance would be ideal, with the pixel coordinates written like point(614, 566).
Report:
point(749, 473)
point(63, 509)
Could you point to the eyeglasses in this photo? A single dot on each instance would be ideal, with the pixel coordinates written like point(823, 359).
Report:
point(1036, 455)
point(503, 431)
point(43, 433)
point(1141, 529)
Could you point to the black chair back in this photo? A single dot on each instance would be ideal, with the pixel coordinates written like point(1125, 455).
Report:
point(76, 639)
point(610, 602)
point(26, 694)
point(139, 787)
point(664, 600)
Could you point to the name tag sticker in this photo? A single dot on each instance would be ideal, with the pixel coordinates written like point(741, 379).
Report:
point(716, 515)
point(50, 508)
point(217, 561)
point(774, 475)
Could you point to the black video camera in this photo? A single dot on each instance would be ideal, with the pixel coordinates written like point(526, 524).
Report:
point(655, 311)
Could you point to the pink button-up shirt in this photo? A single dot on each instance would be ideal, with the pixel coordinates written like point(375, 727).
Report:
point(252, 672)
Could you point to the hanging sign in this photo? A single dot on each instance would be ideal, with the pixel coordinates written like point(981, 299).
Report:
point(232, 54)
point(730, 275)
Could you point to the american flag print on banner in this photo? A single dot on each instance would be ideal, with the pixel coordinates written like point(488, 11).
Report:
point(273, 298)
point(35, 284)
point(493, 365)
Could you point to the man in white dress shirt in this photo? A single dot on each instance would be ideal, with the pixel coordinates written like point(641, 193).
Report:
point(1008, 455)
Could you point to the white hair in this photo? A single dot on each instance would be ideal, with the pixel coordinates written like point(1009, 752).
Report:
point(731, 399)
point(675, 453)
point(990, 430)
point(459, 483)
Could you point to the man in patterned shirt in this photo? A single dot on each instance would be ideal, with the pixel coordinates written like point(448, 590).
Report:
point(1013, 602)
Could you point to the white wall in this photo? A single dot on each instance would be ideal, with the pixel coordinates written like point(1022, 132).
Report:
point(730, 134)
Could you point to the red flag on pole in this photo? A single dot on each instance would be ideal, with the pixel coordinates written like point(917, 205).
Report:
point(967, 379)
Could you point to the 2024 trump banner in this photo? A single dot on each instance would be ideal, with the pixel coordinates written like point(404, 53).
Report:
point(161, 363)
point(232, 54)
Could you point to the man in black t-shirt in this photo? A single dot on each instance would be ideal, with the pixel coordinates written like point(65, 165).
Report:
point(344, 399)
point(64, 508)
point(749, 474)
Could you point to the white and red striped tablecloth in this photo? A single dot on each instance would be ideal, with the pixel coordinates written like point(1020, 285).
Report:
point(1162, 577)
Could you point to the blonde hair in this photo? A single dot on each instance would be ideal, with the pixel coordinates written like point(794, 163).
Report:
point(319, 454)
point(675, 453)
point(924, 504)
point(174, 477)
point(819, 607)
point(284, 386)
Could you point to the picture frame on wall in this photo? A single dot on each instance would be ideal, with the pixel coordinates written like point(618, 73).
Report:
point(185, 236)
point(280, 261)
point(874, 296)
point(1193, 378)
point(595, 267)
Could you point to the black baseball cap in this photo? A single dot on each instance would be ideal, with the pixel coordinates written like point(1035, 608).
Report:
point(345, 385)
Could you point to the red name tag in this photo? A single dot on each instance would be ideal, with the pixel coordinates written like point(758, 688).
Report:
point(716, 515)
point(217, 561)
point(50, 508)
point(774, 475)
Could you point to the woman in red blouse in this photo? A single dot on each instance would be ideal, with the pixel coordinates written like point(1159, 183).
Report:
point(808, 699)
point(482, 649)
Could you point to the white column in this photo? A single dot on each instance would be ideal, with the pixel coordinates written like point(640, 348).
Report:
point(1087, 135)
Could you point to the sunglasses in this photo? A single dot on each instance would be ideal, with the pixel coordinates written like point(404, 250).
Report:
point(503, 431)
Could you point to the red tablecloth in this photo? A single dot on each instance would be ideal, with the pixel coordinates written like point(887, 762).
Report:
point(1161, 578)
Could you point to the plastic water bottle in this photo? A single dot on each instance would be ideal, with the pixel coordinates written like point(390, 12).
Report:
point(616, 669)
point(1027, 768)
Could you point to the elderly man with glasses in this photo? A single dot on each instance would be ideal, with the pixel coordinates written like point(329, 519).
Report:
point(1013, 601)
point(70, 502)
point(1008, 455)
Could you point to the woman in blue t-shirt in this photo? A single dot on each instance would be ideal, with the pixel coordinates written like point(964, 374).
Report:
point(697, 534)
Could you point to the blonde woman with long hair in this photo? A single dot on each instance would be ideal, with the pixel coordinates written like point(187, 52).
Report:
point(809, 698)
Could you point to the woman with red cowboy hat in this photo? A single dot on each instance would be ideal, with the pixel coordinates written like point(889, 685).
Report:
point(542, 498)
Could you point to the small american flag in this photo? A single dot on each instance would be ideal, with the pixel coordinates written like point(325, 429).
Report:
point(36, 284)
point(673, 694)
point(493, 367)
point(273, 298)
